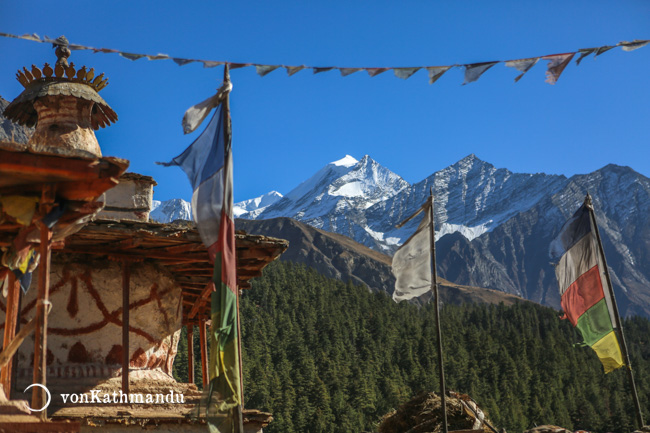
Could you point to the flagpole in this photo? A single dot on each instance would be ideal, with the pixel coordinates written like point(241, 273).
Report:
point(434, 289)
point(617, 317)
point(239, 416)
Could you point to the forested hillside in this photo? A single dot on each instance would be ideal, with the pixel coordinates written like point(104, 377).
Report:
point(324, 356)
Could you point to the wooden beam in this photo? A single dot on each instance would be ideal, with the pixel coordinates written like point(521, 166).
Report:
point(181, 258)
point(176, 249)
point(126, 288)
point(204, 351)
point(190, 353)
point(40, 335)
point(11, 316)
point(209, 288)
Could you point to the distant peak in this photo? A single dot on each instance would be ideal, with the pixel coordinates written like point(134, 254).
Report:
point(470, 157)
point(347, 161)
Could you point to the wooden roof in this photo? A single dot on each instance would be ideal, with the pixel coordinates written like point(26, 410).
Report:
point(178, 247)
point(74, 176)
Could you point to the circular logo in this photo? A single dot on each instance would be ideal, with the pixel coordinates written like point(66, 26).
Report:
point(49, 397)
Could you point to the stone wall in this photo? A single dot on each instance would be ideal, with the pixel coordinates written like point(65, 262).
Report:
point(85, 323)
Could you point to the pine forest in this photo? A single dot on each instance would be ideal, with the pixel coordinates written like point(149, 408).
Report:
point(325, 356)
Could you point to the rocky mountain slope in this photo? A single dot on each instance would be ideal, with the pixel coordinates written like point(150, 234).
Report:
point(337, 256)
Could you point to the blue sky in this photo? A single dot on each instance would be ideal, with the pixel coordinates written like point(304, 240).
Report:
point(286, 128)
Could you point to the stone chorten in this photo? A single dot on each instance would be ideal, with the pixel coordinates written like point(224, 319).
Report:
point(63, 103)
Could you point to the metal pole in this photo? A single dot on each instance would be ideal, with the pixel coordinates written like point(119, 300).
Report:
point(434, 289)
point(619, 324)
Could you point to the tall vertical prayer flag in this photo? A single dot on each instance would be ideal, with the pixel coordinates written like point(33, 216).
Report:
point(586, 295)
point(208, 165)
point(412, 261)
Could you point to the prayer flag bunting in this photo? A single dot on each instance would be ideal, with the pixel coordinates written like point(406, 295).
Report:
point(522, 65)
point(182, 62)
point(325, 69)
point(435, 72)
point(293, 69)
point(373, 72)
point(586, 296)
point(603, 49)
point(556, 64)
point(347, 71)
point(474, 71)
point(263, 70)
point(211, 64)
point(132, 56)
point(238, 65)
point(158, 57)
point(405, 73)
point(584, 52)
point(631, 46)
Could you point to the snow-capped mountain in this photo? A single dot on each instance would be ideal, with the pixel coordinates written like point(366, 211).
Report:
point(337, 195)
point(493, 226)
point(472, 197)
point(251, 208)
point(171, 210)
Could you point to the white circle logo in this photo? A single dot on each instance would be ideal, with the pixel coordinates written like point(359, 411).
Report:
point(49, 397)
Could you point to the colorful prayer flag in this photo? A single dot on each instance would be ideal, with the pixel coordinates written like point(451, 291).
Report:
point(635, 44)
point(208, 165)
point(522, 65)
point(474, 71)
point(556, 64)
point(347, 71)
point(435, 72)
point(263, 70)
point(412, 261)
point(586, 296)
point(405, 73)
point(293, 69)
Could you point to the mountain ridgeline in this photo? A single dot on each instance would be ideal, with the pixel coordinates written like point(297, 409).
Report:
point(493, 226)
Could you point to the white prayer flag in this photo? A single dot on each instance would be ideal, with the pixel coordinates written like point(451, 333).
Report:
point(412, 261)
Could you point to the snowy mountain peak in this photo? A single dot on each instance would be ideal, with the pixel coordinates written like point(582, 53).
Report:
point(255, 206)
point(346, 161)
point(341, 187)
point(171, 210)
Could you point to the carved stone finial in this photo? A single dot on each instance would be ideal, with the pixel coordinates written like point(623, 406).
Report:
point(62, 51)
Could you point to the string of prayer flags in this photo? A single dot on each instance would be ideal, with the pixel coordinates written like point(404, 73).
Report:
point(473, 71)
point(556, 64)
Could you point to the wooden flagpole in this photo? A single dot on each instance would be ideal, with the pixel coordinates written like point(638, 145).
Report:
point(434, 289)
point(619, 324)
point(239, 417)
